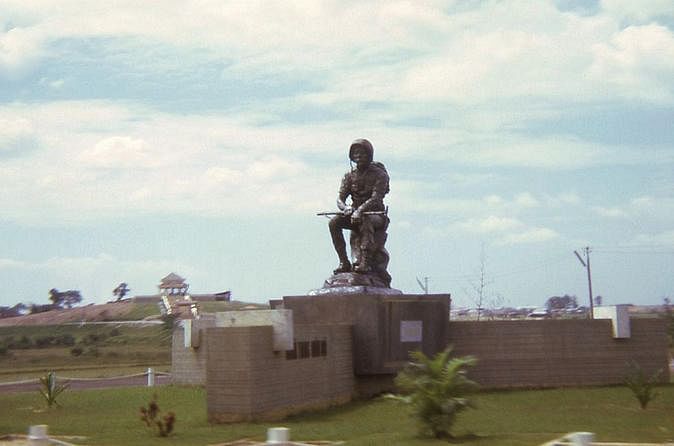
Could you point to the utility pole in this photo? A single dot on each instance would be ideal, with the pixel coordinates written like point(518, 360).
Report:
point(586, 264)
point(424, 285)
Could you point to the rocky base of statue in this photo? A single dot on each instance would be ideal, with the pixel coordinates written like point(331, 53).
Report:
point(352, 283)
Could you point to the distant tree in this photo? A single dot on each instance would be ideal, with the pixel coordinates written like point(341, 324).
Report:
point(16, 310)
point(669, 317)
point(561, 302)
point(35, 308)
point(121, 291)
point(598, 300)
point(67, 299)
point(481, 293)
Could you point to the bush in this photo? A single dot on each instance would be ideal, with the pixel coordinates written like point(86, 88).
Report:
point(152, 418)
point(93, 338)
point(642, 386)
point(50, 389)
point(45, 341)
point(115, 332)
point(67, 340)
point(23, 343)
point(436, 389)
point(76, 351)
point(4, 351)
point(91, 351)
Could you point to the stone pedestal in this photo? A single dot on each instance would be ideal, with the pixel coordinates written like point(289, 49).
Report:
point(386, 327)
point(341, 282)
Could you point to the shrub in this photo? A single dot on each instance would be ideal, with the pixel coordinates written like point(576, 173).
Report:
point(66, 339)
point(93, 338)
point(23, 343)
point(436, 389)
point(642, 386)
point(4, 351)
point(151, 416)
point(45, 341)
point(169, 320)
point(115, 332)
point(76, 351)
point(50, 389)
point(91, 351)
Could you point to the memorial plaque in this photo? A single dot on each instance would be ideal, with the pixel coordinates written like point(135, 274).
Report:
point(411, 331)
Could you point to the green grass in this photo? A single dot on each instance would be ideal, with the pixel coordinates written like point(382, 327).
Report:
point(108, 349)
point(214, 307)
point(516, 418)
point(139, 311)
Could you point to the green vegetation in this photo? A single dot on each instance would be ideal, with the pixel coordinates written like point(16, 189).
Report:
point(515, 418)
point(436, 388)
point(641, 385)
point(50, 389)
point(32, 350)
point(151, 416)
point(139, 311)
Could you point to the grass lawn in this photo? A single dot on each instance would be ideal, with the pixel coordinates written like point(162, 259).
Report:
point(104, 350)
point(110, 417)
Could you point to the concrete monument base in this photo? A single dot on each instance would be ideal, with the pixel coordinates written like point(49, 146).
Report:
point(386, 327)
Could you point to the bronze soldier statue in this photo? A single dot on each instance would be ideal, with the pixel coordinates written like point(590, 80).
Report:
point(366, 216)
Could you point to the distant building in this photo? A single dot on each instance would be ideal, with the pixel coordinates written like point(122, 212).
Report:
point(174, 286)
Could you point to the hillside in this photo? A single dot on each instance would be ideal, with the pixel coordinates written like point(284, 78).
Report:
point(118, 311)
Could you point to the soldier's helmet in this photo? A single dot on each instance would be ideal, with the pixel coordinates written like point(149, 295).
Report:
point(365, 144)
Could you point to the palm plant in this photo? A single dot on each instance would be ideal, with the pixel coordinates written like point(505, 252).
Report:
point(436, 388)
point(50, 389)
point(641, 385)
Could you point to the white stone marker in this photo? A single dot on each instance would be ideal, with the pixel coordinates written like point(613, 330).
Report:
point(37, 435)
point(278, 435)
point(150, 377)
point(581, 438)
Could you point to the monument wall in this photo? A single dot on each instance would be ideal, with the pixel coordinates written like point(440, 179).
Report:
point(385, 327)
point(247, 380)
point(188, 365)
point(558, 353)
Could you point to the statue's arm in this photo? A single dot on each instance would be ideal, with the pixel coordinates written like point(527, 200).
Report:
point(381, 187)
point(344, 192)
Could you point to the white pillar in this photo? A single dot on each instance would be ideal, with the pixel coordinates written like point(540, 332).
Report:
point(278, 435)
point(150, 377)
point(37, 435)
point(581, 438)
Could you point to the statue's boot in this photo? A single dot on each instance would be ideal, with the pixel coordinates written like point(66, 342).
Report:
point(362, 266)
point(344, 266)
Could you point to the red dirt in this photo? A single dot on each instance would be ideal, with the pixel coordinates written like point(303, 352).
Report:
point(89, 313)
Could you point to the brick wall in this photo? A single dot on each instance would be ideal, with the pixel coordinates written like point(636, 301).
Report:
point(558, 352)
point(247, 380)
point(188, 365)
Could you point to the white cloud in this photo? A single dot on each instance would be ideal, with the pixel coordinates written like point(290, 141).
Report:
point(533, 235)
point(611, 212)
point(663, 239)
point(384, 51)
point(526, 200)
point(642, 11)
point(20, 48)
point(16, 134)
point(120, 152)
point(490, 224)
point(12, 264)
point(639, 61)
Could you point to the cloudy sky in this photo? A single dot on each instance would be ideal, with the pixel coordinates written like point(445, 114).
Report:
point(201, 137)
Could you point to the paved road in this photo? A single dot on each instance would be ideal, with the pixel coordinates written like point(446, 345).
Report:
point(98, 383)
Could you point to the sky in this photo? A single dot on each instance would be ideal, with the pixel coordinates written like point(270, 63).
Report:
point(202, 137)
